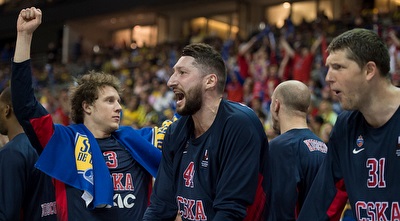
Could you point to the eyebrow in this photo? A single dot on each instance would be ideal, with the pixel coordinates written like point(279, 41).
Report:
point(179, 68)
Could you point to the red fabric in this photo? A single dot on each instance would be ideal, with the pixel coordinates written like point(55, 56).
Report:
point(43, 127)
point(234, 91)
point(243, 66)
point(61, 199)
point(302, 67)
point(150, 189)
point(256, 211)
point(339, 202)
point(63, 117)
point(324, 47)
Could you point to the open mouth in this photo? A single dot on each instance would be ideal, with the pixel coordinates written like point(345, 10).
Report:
point(179, 96)
point(336, 92)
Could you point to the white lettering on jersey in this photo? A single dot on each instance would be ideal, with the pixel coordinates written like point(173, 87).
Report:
point(126, 202)
point(316, 145)
point(191, 209)
point(49, 209)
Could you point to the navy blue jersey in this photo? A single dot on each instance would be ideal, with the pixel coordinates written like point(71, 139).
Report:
point(367, 161)
point(295, 157)
point(131, 181)
point(25, 192)
point(132, 185)
point(214, 176)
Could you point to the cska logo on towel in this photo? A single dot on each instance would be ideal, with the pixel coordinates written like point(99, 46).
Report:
point(83, 157)
point(360, 141)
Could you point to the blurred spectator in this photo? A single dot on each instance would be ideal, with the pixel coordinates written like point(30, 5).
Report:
point(62, 108)
point(303, 58)
point(162, 97)
point(394, 45)
point(131, 111)
point(326, 111)
point(6, 53)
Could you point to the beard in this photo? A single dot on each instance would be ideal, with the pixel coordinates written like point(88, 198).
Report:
point(3, 131)
point(193, 102)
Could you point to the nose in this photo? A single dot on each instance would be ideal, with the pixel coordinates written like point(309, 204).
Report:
point(329, 77)
point(118, 107)
point(172, 80)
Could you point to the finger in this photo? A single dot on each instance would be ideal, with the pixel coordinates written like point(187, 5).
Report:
point(27, 13)
point(38, 14)
point(32, 13)
point(23, 13)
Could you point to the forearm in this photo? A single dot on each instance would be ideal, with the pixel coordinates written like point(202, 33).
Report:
point(285, 45)
point(22, 47)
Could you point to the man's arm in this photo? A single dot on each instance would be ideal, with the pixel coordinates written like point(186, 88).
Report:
point(28, 20)
point(241, 147)
point(316, 44)
point(288, 49)
point(33, 117)
point(163, 205)
point(327, 196)
point(13, 181)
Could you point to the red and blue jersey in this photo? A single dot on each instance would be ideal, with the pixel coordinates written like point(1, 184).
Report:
point(217, 176)
point(362, 163)
point(27, 194)
point(295, 157)
point(131, 182)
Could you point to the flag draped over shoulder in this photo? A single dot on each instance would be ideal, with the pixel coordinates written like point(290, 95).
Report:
point(73, 156)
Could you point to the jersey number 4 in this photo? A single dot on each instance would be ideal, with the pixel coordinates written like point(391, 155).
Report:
point(188, 175)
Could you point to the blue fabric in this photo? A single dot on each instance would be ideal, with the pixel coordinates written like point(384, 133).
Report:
point(137, 143)
point(83, 166)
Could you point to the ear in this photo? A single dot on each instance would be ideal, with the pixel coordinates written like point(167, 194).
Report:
point(87, 108)
point(7, 111)
point(277, 105)
point(211, 81)
point(371, 70)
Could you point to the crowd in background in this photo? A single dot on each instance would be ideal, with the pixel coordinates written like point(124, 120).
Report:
point(256, 65)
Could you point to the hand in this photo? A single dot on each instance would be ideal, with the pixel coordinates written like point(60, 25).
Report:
point(29, 19)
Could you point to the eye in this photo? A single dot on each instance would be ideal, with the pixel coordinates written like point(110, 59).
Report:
point(336, 66)
point(110, 100)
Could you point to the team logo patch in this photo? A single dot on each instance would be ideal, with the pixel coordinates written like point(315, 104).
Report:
point(398, 147)
point(204, 161)
point(83, 157)
point(360, 141)
point(316, 145)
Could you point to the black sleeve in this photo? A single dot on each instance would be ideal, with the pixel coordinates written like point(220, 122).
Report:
point(13, 183)
point(284, 182)
point(327, 196)
point(32, 116)
point(236, 185)
point(163, 206)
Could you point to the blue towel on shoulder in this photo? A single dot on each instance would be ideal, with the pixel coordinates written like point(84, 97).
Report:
point(83, 166)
